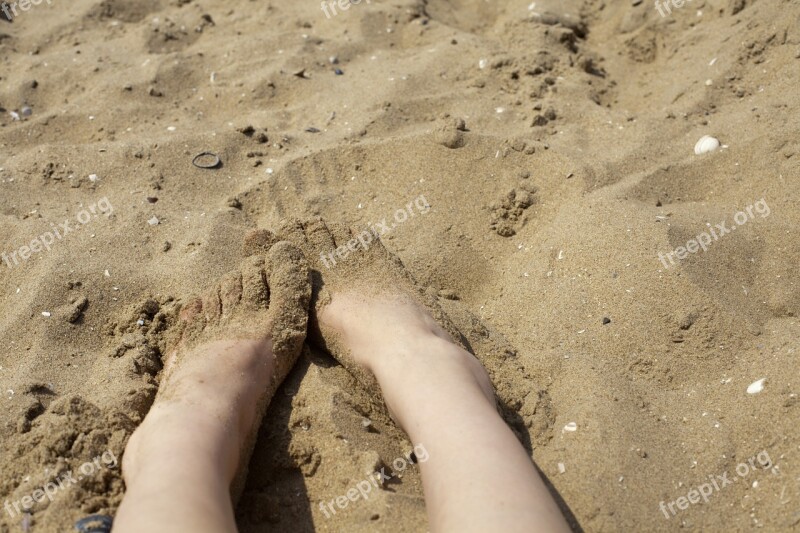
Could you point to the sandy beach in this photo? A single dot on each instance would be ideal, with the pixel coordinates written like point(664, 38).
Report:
point(539, 167)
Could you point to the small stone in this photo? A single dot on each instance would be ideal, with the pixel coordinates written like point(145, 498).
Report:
point(339, 72)
point(166, 247)
point(154, 92)
point(539, 120)
point(153, 221)
point(606, 320)
point(756, 386)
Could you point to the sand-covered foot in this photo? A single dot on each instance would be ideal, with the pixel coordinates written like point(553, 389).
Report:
point(365, 302)
point(232, 349)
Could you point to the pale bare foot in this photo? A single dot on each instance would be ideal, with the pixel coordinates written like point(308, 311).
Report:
point(366, 303)
point(232, 349)
point(371, 316)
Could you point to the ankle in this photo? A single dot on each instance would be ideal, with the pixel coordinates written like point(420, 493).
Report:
point(429, 375)
point(167, 441)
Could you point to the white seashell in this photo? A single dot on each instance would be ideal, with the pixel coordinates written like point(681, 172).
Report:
point(572, 426)
point(706, 144)
point(756, 386)
point(46, 314)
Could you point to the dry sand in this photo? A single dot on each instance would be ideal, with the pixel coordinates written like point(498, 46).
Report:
point(554, 144)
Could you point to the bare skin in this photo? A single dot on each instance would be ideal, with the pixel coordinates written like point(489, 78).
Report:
point(371, 316)
point(478, 476)
point(188, 458)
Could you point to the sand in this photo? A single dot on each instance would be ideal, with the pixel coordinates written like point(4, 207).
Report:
point(554, 143)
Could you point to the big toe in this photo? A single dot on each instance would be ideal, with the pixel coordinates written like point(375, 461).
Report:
point(258, 242)
point(289, 284)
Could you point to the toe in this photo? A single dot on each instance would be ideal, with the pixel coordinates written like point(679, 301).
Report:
point(230, 291)
point(341, 233)
point(191, 310)
point(258, 242)
point(212, 306)
point(291, 229)
point(319, 236)
point(255, 292)
point(290, 294)
point(192, 318)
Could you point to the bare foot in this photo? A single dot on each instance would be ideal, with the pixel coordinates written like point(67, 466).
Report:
point(371, 315)
point(232, 349)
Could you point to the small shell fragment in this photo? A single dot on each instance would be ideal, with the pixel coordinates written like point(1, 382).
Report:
point(706, 144)
point(46, 314)
point(756, 386)
point(572, 426)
